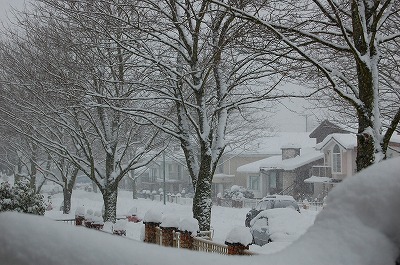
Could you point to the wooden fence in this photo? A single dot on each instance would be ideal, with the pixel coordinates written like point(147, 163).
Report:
point(204, 245)
point(203, 242)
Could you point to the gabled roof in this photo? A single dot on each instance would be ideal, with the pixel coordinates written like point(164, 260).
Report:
point(346, 141)
point(272, 145)
point(276, 162)
point(327, 125)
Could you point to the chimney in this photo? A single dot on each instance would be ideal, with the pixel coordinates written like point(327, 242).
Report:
point(290, 151)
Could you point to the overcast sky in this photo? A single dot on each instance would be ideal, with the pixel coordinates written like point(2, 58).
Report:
point(289, 117)
point(5, 7)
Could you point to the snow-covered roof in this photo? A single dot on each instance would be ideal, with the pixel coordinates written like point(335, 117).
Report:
point(255, 167)
point(272, 145)
point(347, 141)
point(395, 138)
point(222, 175)
point(315, 179)
point(276, 162)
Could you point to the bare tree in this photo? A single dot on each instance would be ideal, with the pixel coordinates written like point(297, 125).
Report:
point(69, 73)
point(198, 79)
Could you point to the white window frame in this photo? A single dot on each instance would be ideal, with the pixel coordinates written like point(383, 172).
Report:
point(337, 156)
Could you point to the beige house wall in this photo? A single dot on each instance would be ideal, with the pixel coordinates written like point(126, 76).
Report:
point(230, 163)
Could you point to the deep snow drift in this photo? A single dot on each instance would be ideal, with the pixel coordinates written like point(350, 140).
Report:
point(360, 225)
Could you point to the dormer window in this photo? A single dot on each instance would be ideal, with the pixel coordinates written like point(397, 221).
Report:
point(336, 160)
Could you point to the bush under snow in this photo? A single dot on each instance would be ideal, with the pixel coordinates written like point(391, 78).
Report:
point(21, 198)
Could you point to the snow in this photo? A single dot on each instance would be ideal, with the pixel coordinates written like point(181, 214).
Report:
point(132, 211)
point(170, 221)
point(272, 145)
point(241, 235)
point(315, 179)
point(276, 162)
point(347, 141)
point(284, 224)
point(120, 225)
point(395, 138)
point(80, 211)
point(189, 224)
point(153, 216)
point(359, 225)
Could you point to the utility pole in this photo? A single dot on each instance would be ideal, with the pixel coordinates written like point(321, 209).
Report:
point(164, 193)
point(306, 115)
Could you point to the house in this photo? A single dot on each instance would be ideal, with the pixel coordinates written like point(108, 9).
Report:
point(176, 179)
point(340, 152)
point(309, 170)
point(326, 128)
point(284, 173)
point(227, 173)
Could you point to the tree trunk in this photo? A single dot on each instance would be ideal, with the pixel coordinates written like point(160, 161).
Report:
point(110, 195)
point(202, 201)
point(365, 144)
point(134, 192)
point(67, 200)
point(366, 138)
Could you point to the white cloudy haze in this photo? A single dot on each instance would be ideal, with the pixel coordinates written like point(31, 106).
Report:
point(290, 114)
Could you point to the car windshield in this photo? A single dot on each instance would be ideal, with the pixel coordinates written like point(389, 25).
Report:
point(264, 205)
point(285, 204)
point(270, 204)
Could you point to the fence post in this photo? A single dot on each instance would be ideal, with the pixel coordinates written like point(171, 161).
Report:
point(238, 240)
point(79, 215)
point(188, 228)
point(150, 232)
point(186, 240)
point(168, 236)
point(151, 220)
point(168, 225)
point(236, 248)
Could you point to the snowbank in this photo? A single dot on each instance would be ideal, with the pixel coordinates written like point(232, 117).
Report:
point(360, 225)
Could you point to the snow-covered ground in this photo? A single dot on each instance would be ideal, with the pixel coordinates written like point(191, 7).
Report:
point(359, 225)
point(223, 219)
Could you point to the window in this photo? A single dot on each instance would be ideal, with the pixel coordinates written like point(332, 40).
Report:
point(272, 179)
point(336, 160)
point(254, 183)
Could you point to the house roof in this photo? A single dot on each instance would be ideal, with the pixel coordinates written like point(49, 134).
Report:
point(327, 126)
point(272, 145)
point(347, 141)
point(315, 179)
point(395, 138)
point(276, 162)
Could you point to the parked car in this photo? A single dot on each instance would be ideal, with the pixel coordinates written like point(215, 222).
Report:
point(271, 202)
point(277, 225)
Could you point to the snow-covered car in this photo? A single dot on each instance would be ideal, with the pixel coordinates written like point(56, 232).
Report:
point(279, 224)
point(271, 202)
